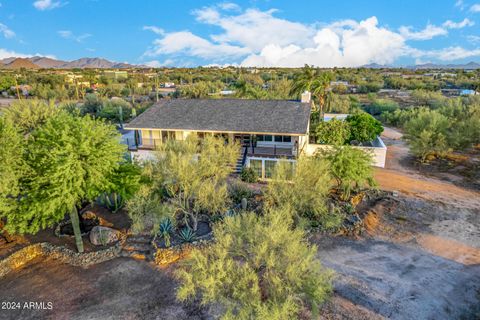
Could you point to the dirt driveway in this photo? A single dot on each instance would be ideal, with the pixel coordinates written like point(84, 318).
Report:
point(422, 261)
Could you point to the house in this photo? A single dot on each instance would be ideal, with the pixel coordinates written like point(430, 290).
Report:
point(268, 130)
point(117, 75)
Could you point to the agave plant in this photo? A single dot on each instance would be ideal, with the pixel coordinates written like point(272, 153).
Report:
point(112, 201)
point(187, 234)
point(166, 227)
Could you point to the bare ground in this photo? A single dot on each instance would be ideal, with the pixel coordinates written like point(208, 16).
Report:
point(122, 288)
point(421, 260)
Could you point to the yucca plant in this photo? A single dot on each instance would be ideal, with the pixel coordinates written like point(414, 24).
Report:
point(187, 234)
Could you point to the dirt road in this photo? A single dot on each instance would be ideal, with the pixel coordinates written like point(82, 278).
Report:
point(423, 262)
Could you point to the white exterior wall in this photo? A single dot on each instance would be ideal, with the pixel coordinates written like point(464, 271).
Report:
point(378, 151)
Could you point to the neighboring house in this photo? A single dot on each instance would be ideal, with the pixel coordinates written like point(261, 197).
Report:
point(111, 74)
point(267, 130)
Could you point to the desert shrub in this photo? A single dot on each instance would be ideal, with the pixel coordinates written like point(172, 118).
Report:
point(258, 268)
point(332, 132)
point(379, 106)
point(363, 127)
point(351, 167)
point(124, 182)
point(194, 176)
point(303, 188)
point(147, 211)
point(427, 134)
point(238, 191)
point(248, 175)
point(117, 110)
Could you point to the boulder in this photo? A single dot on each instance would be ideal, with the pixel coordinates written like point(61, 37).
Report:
point(101, 236)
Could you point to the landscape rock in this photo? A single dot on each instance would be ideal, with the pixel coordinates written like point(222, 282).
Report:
point(101, 236)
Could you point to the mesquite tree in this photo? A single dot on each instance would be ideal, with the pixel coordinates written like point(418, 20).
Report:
point(194, 175)
point(69, 161)
point(257, 268)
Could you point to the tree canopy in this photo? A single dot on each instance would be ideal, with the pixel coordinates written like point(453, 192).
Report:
point(258, 268)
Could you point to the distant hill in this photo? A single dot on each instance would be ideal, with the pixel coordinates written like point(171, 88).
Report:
point(45, 62)
point(83, 63)
point(470, 66)
point(375, 66)
point(20, 63)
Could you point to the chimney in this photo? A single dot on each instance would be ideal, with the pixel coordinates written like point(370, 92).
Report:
point(306, 97)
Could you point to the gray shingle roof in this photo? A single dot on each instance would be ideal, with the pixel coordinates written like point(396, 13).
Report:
point(237, 115)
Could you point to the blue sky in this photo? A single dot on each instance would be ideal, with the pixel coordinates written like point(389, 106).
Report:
point(260, 33)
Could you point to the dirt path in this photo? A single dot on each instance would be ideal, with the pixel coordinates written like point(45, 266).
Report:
point(396, 176)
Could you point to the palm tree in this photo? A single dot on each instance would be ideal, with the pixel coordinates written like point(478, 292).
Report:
point(322, 91)
point(304, 81)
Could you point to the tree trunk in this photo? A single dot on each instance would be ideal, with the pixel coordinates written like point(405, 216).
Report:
point(76, 229)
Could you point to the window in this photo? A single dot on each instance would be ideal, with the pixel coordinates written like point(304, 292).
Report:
point(287, 139)
point(260, 137)
point(278, 138)
point(256, 165)
point(269, 168)
point(268, 138)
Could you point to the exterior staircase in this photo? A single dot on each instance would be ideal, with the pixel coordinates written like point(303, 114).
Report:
point(241, 160)
point(138, 247)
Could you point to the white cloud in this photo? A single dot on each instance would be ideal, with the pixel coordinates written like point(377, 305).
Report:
point(473, 39)
point(460, 4)
point(6, 32)
point(190, 44)
point(458, 25)
point(229, 6)
point(154, 29)
point(47, 4)
point(5, 53)
point(354, 44)
point(446, 54)
point(475, 8)
point(428, 33)
point(67, 34)
point(257, 38)
point(255, 29)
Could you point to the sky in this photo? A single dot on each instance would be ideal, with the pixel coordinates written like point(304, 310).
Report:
point(259, 33)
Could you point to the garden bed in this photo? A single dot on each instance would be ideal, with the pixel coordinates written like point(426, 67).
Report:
point(119, 220)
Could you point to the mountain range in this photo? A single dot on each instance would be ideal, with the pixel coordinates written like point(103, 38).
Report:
point(469, 66)
point(38, 62)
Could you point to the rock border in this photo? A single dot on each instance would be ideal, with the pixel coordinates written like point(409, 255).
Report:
point(25, 255)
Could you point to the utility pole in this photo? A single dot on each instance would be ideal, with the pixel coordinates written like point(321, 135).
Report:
point(156, 86)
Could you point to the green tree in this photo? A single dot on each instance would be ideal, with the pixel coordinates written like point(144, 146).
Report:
point(351, 167)
point(333, 132)
point(70, 159)
point(303, 188)
point(427, 134)
point(12, 167)
point(258, 268)
point(30, 114)
point(194, 175)
point(6, 82)
point(124, 182)
point(363, 127)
